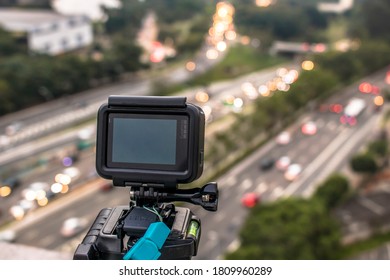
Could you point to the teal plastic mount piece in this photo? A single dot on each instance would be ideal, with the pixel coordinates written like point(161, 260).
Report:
point(148, 246)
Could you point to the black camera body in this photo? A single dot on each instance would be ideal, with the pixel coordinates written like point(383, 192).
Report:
point(149, 144)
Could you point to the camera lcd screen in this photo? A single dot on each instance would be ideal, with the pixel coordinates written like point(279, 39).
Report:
point(147, 141)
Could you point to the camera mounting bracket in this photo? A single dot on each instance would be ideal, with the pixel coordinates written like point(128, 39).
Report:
point(145, 194)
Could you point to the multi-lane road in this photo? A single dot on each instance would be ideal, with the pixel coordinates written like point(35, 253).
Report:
point(55, 144)
point(327, 151)
point(319, 155)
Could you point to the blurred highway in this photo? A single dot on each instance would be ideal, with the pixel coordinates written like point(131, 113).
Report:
point(320, 154)
point(41, 159)
point(44, 155)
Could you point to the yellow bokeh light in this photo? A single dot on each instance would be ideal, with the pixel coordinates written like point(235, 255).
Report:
point(65, 189)
point(43, 201)
point(17, 212)
point(41, 194)
point(190, 66)
point(229, 99)
point(222, 11)
point(211, 31)
point(263, 3)
point(5, 191)
point(245, 40)
point(219, 27)
point(63, 179)
point(231, 35)
point(202, 96)
point(378, 100)
point(308, 65)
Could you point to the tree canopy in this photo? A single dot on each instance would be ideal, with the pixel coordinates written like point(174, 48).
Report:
point(333, 191)
point(290, 229)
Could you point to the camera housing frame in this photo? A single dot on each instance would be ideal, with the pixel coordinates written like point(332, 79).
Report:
point(189, 141)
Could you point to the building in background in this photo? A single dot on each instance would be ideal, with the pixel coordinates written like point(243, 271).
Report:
point(46, 31)
point(337, 8)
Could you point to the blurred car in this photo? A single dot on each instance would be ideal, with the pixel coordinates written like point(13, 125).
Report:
point(8, 186)
point(12, 182)
point(309, 128)
point(336, 108)
point(283, 138)
point(13, 128)
point(4, 140)
point(19, 210)
point(35, 191)
point(7, 236)
point(267, 163)
point(293, 172)
point(283, 163)
point(250, 200)
point(72, 226)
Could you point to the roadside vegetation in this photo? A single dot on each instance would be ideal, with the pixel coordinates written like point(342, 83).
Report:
point(295, 228)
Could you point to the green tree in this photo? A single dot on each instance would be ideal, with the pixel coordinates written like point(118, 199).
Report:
point(364, 163)
point(379, 148)
point(130, 14)
point(6, 104)
point(280, 20)
point(126, 53)
point(8, 45)
point(333, 191)
point(373, 54)
point(376, 14)
point(289, 229)
point(346, 66)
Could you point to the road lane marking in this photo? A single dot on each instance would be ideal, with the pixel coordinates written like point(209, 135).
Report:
point(339, 156)
point(330, 149)
point(371, 205)
point(230, 182)
point(233, 246)
point(246, 184)
point(326, 154)
point(48, 240)
point(277, 192)
point(261, 188)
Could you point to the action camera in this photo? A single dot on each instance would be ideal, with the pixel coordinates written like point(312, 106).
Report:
point(150, 140)
point(149, 145)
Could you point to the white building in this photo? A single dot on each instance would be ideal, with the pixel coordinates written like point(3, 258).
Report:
point(337, 8)
point(48, 32)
